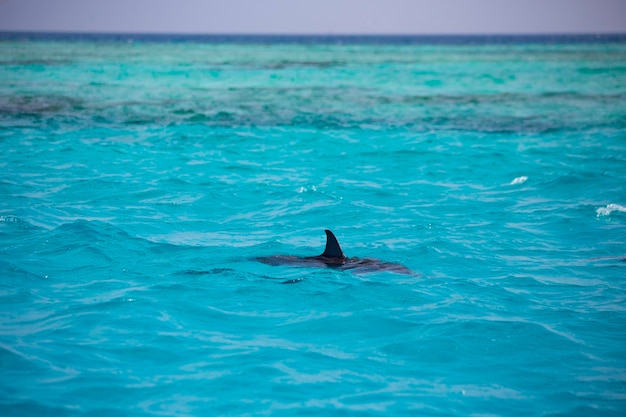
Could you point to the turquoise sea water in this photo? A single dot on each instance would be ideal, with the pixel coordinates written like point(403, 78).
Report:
point(140, 180)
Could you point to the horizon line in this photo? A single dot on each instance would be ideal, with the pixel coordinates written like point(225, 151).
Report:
point(303, 34)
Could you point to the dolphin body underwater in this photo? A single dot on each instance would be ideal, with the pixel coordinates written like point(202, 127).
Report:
point(333, 257)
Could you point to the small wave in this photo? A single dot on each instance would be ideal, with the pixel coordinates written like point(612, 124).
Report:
point(16, 222)
point(519, 180)
point(303, 189)
point(209, 272)
point(11, 220)
point(610, 208)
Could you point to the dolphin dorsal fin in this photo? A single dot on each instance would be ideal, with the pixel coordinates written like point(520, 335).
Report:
point(333, 250)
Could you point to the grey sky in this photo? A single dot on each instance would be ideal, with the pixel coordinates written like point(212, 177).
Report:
point(316, 16)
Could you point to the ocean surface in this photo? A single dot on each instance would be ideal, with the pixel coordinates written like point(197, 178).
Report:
point(142, 177)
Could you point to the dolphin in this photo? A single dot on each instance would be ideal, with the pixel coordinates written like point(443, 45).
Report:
point(333, 257)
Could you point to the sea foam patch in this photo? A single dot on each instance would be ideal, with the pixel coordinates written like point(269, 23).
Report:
point(610, 208)
point(519, 180)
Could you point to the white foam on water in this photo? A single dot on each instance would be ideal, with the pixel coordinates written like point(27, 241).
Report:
point(312, 189)
point(519, 180)
point(610, 208)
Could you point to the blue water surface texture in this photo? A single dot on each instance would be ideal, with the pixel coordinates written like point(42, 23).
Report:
point(141, 178)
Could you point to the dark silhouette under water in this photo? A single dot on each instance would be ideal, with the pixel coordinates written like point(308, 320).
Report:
point(333, 257)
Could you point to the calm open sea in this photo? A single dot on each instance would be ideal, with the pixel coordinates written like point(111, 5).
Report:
point(140, 177)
